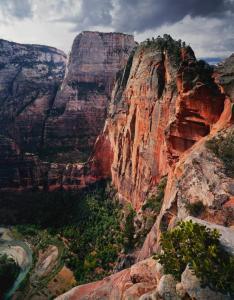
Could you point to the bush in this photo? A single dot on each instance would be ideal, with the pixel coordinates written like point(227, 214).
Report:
point(199, 247)
point(129, 230)
point(154, 203)
point(223, 147)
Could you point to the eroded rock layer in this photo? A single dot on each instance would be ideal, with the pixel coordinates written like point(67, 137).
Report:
point(30, 76)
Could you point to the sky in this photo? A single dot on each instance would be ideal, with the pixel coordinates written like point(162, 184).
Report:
point(206, 25)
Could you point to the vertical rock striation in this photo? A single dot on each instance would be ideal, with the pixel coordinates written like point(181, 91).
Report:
point(29, 79)
point(163, 103)
point(165, 106)
point(80, 108)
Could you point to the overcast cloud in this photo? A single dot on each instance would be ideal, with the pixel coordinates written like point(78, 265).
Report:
point(208, 25)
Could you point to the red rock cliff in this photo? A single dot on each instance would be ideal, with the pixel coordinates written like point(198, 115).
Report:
point(164, 108)
point(163, 103)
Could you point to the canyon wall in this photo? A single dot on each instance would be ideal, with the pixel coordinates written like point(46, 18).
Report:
point(164, 102)
point(165, 109)
point(30, 76)
point(80, 108)
point(50, 120)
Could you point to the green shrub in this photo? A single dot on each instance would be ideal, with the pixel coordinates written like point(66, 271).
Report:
point(154, 203)
point(129, 229)
point(223, 147)
point(199, 247)
point(195, 209)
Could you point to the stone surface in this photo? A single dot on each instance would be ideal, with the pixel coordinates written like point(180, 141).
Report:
point(159, 121)
point(160, 107)
point(167, 287)
point(47, 131)
point(192, 285)
point(224, 74)
point(127, 284)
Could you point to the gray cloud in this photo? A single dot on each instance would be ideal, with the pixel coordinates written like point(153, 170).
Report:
point(206, 24)
point(141, 15)
point(19, 9)
point(138, 15)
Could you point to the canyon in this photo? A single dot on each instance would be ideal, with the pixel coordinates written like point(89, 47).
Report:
point(49, 119)
point(135, 115)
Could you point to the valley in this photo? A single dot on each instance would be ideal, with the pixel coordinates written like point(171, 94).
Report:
point(113, 162)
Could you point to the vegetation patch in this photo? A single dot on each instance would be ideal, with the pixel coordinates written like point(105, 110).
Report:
point(167, 43)
point(84, 225)
point(198, 247)
point(154, 203)
point(129, 229)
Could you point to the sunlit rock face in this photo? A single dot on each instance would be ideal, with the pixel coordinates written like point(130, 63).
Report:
point(81, 105)
point(164, 102)
point(163, 111)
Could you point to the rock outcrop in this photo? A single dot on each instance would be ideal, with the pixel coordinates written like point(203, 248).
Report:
point(127, 284)
point(80, 108)
point(164, 102)
point(164, 108)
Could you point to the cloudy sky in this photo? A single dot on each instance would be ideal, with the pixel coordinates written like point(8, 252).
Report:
point(207, 25)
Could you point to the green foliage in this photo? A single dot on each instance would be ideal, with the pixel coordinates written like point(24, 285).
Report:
point(95, 240)
point(199, 247)
point(195, 209)
point(129, 229)
point(9, 271)
point(223, 147)
point(154, 203)
point(87, 222)
point(166, 43)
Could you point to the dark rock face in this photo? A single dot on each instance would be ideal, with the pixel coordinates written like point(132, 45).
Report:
point(29, 79)
point(30, 76)
point(79, 110)
point(20, 170)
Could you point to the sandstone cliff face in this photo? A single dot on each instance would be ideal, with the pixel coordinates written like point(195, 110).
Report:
point(164, 102)
point(80, 108)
